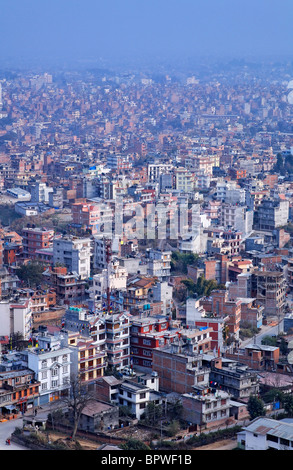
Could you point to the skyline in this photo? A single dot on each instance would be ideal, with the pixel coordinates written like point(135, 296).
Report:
point(93, 30)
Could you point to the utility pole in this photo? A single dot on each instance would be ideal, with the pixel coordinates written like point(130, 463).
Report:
point(108, 261)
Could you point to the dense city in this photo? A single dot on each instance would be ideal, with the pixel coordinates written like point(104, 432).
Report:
point(146, 258)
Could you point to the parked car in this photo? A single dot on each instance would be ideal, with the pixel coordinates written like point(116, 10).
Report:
point(128, 371)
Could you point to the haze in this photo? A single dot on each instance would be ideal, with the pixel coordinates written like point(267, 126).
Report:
point(52, 30)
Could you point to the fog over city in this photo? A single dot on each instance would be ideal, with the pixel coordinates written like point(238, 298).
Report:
point(153, 31)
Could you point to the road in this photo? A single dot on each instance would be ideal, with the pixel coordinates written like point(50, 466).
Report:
point(6, 429)
point(266, 330)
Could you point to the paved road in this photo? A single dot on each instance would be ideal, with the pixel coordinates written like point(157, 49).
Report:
point(6, 429)
point(266, 330)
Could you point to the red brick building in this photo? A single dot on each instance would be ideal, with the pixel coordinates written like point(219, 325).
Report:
point(147, 334)
point(35, 238)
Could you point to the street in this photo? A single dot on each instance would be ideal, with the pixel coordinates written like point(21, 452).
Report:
point(6, 429)
point(266, 330)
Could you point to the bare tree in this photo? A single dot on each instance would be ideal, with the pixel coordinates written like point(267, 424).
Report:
point(77, 400)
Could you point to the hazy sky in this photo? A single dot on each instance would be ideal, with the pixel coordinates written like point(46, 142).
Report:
point(36, 29)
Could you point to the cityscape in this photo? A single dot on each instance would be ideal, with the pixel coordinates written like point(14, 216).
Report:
point(146, 253)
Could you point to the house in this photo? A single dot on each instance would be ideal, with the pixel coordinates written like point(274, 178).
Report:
point(18, 389)
point(205, 408)
point(99, 416)
point(257, 357)
point(50, 361)
point(266, 434)
point(137, 396)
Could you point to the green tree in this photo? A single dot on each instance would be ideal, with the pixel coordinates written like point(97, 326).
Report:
point(32, 273)
point(255, 407)
point(288, 405)
point(134, 444)
point(269, 341)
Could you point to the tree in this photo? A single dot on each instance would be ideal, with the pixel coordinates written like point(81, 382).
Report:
point(32, 273)
point(153, 413)
point(202, 287)
point(77, 400)
point(255, 407)
point(134, 444)
point(288, 404)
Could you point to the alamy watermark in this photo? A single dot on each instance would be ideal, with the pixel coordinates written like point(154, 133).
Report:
point(148, 220)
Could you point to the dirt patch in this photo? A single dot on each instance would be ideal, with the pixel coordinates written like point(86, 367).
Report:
point(226, 444)
point(62, 438)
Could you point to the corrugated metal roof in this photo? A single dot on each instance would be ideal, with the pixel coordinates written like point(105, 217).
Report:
point(270, 426)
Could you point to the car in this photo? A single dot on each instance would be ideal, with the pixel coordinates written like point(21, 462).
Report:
point(128, 371)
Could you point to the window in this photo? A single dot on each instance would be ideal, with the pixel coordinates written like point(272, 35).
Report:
point(284, 442)
point(272, 438)
point(54, 383)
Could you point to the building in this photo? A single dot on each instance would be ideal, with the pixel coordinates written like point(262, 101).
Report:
point(149, 333)
point(257, 357)
point(205, 408)
point(40, 192)
point(19, 390)
point(16, 317)
point(69, 288)
point(271, 214)
point(117, 280)
point(50, 361)
point(34, 239)
point(179, 368)
point(118, 340)
point(159, 264)
point(97, 416)
point(88, 359)
point(266, 434)
point(270, 291)
point(136, 396)
point(239, 381)
point(86, 216)
point(74, 253)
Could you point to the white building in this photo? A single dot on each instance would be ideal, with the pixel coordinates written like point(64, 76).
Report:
point(16, 317)
point(40, 192)
point(266, 434)
point(157, 169)
point(50, 361)
point(136, 396)
point(163, 292)
point(74, 253)
point(230, 192)
point(237, 217)
point(117, 281)
point(159, 264)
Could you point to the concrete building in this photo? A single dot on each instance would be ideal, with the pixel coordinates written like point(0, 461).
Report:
point(206, 409)
point(50, 361)
point(40, 192)
point(74, 253)
point(266, 434)
point(271, 214)
point(16, 317)
point(34, 239)
point(97, 416)
point(137, 396)
point(269, 290)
